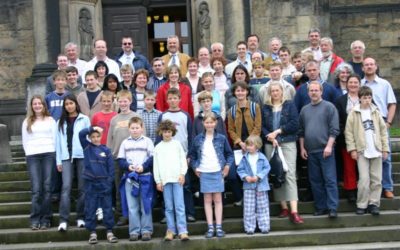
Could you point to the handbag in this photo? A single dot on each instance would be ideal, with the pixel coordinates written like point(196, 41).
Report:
point(278, 168)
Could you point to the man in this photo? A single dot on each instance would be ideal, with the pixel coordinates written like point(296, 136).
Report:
point(274, 45)
point(174, 56)
point(314, 36)
point(252, 45)
point(329, 61)
point(100, 54)
point(71, 50)
point(329, 92)
point(132, 57)
point(217, 50)
point(385, 99)
point(287, 67)
point(319, 126)
point(357, 49)
point(204, 61)
point(275, 72)
point(257, 57)
point(158, 78)
point(62, 64)
point(241, 50)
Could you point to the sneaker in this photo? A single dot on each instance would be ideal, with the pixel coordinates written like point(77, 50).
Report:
point(238, 203)
point(62, 227)
point(146, 236)
point(373, 209)
point(265, 232)
point(361, 211)
point(284, 213)
point(44, 226)
point(99, 213)
point(111, 238)
point(169, 236)
point(93, 238)
point(184, 237)
point(163, 221)
point(191, 218)
point(80, 223)
point(249, 232)
point(35, 227)
point(296, 219)
point(133, 237)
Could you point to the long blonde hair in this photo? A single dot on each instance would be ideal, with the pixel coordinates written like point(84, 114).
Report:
point(31, 116)
point(268, 100)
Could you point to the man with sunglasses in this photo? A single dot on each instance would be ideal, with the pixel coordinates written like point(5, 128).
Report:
point(132, 57)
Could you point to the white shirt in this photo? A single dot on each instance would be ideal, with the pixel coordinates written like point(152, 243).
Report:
point(221, 83)
point(112, 65)
point(209, 161)
point(203, 70)
point(177, 63)
point(42, 139)
point(289, 70)
point(369, 131)
point(80, 65)
point(231, 66)
point(127, 59)
point(324, 67)
point(317, 53)
point(253, 158)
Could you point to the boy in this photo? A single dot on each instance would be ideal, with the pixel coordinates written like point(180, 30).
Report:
point(55, 99)
point(89, 100)
point(103, 118)
point(136, 188)
point(117, 133)
point(149, 114)
point(259, 78)
point(170, 168)
point(183, 126)
point(366, 140)
point(98, 174)
point(72, 81)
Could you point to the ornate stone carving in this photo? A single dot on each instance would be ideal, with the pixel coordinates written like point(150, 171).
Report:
point(204, 21)
point(86, 33)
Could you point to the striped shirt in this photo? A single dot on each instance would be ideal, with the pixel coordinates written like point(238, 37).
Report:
point(136, 151)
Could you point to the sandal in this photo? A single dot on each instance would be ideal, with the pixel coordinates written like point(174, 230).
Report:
point(93, 238)
point(111, 238)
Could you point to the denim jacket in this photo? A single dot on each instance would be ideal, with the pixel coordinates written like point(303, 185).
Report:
point(221, 146)
point(263, 169)
point(81, 122)
point(289, 122)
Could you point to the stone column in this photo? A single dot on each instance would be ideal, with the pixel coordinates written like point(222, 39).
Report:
point(233, 24)
point(5, 152)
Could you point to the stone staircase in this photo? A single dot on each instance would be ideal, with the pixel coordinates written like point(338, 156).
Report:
point(348, 231)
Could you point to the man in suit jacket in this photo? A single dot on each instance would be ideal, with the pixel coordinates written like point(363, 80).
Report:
point(174, 56)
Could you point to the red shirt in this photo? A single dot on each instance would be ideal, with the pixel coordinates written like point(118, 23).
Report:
point(103, 120)
point(186, 98)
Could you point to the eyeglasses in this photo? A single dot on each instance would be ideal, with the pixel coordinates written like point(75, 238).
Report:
point(127, 43)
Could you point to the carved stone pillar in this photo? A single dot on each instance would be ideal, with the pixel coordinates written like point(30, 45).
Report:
point(233, 24)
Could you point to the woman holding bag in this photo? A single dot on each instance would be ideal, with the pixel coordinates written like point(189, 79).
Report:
point(280, 123)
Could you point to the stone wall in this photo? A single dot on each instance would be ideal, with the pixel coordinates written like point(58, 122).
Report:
point(16, 47)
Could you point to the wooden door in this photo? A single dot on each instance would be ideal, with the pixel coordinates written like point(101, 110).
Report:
point(125, 21)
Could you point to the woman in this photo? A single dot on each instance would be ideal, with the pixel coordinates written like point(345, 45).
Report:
point(174, 74)
point(244, 119)
point(127, 76)
point(139, 87)
point(192, 77)
point(101, 69)
point(342, 73)
point(221, 80)
point(345, 164)
point(280, 122)
point(70, 159)
point(240, 74)
point(39, 140)
point(218, 104)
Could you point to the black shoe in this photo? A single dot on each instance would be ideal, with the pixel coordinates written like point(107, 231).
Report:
point(332, 214)
point(122, 221)
point(320, 212)
point(190, 218)
point(352, 196)
point(373, 209)
point(360, 211)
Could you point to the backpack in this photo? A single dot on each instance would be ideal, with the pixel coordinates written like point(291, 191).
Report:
point(252, 110)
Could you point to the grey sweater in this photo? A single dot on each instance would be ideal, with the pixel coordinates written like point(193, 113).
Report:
point(317, 123)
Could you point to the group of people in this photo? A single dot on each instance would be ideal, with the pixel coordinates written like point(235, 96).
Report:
point(130, 131)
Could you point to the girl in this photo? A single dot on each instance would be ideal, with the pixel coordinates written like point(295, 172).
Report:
point(211, 157)
point(111, 84)
point(39, 140)
point(222, 82)
point(253, 170)
point(70, 159)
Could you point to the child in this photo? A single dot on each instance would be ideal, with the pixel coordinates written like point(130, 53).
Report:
point(136, 188)
point(73, 86)
point(253, 170)
point(211, 157)
point(103, 118)
point(54, 100)
point(149, 114)
point(170, 167)
point(98, 175)
point(258, 78)
point(69, 156)
point(89, 101)
point(183, 125)
point(367, 141)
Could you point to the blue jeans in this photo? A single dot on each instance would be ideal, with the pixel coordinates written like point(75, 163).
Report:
point(68, 171)
point(139, 221)
point(40, 167)
point(175, 207)
point(322, 175)
point(387, 181)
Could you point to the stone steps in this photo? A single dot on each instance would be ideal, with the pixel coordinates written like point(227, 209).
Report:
point(287, 238)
